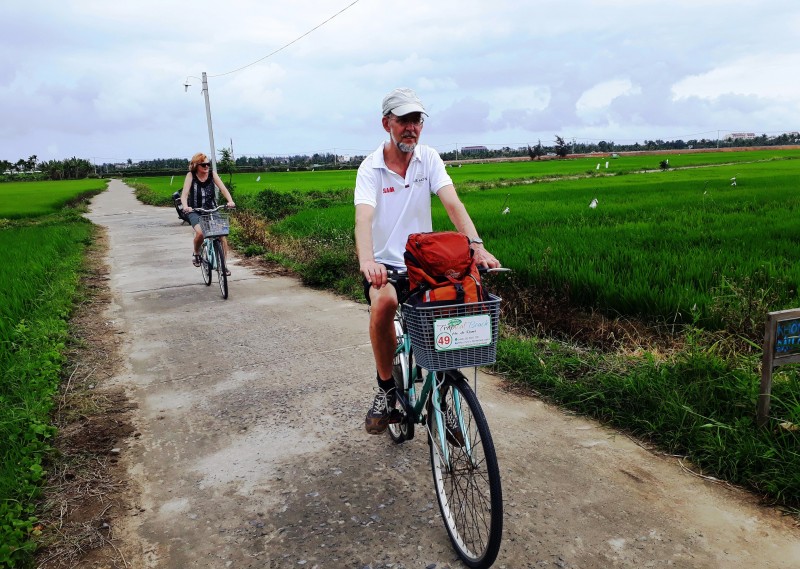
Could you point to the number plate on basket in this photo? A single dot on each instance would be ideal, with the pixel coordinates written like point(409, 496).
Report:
point(462, 332)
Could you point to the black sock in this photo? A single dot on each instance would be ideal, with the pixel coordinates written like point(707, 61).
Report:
point(385, 384)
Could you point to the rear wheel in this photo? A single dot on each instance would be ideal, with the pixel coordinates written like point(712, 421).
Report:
point(205, 265)
point(404, 430)
point(465, 472)
point(219, 253)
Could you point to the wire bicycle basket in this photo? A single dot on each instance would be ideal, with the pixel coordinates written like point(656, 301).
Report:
point(451, 336)
point(215, 224)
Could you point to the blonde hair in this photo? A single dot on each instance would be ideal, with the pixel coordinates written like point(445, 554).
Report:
point(196, 160)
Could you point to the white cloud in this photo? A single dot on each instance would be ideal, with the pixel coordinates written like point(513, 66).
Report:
point(601, 95)
point(535, 97)
point(101, 79)
point(769, 74)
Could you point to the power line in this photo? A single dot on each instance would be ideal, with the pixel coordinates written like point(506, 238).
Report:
point(290, 43)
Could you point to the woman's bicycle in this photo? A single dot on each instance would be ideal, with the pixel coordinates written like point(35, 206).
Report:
point(442, 339)
point(215, 224)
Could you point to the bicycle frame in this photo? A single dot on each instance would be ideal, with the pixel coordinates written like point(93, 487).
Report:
point(430, 387)
point(208, 243)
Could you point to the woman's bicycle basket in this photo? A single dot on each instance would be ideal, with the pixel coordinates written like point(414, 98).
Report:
point(215, 224)
point(453, 336)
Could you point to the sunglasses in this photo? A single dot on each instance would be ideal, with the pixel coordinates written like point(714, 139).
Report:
point(205, 164)
point(410, 120)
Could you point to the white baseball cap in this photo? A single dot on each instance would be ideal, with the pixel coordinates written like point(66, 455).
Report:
point(401, 102)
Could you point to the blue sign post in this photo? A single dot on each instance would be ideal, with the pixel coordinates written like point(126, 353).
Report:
point(781, 346)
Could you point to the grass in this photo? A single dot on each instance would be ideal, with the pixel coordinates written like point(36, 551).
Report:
point(158, 190)
point(33, 323)
point(43, 255)
point(32, 199)
point(493, 172)
point(667, 247)
point(658, 246)
point(698, 403)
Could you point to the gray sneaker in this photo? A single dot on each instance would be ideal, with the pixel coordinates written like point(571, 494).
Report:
point(382, 411)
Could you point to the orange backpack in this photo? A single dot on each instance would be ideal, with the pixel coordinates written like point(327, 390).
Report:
point(441, 264)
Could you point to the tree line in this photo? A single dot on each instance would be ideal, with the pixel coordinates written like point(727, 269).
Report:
point(77, 168)
point(562, 147)
point(32, 169)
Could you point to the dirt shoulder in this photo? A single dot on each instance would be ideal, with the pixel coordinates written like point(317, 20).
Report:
point(252, 453)
point(87, 487)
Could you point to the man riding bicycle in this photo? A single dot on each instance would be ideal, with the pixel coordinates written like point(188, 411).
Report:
point(393, 192)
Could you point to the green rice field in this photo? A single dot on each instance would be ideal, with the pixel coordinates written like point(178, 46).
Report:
point(31, 199)
point(489, 172)
point(658, 245)
point(43, 253)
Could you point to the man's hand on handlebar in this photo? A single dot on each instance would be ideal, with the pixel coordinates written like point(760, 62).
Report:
point(375, 273)
point(485, 259)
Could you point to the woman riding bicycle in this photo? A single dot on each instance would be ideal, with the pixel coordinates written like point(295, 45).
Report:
point(393, 199)
point(198, 191)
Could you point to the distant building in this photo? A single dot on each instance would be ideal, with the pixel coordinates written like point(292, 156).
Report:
point(740, 135)
point(473, 149)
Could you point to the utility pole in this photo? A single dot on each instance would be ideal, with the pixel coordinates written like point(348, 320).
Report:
point(210, 129)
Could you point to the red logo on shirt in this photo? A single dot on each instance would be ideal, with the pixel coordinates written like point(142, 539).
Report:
point(388, 190)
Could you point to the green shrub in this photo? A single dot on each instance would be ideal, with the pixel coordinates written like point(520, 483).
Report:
point(273, 205)
point(327, 268)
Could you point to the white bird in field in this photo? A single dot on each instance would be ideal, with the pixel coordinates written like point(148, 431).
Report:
point(505, 211)
point(258, 179)
point(733, 181)
point(593, 204)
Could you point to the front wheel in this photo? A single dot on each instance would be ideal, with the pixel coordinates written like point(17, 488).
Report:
point(219, 253)
point(465, 472)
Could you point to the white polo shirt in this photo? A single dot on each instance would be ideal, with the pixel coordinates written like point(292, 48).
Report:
point(402, 206)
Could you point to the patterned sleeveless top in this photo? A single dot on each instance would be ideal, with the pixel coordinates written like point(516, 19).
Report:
point(202, 194)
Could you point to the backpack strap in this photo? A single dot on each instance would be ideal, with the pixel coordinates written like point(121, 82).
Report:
point(459, 292)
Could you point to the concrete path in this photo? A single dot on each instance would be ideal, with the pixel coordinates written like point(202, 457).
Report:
point(253, 454)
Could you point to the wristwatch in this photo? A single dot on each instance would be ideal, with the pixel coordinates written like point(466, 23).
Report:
point(477, 240)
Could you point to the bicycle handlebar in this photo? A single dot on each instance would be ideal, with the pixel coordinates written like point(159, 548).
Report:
point(219, 207)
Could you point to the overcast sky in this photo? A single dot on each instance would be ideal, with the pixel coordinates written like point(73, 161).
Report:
point(105, 80)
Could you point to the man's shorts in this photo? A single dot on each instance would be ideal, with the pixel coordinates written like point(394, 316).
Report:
point(402, 289)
